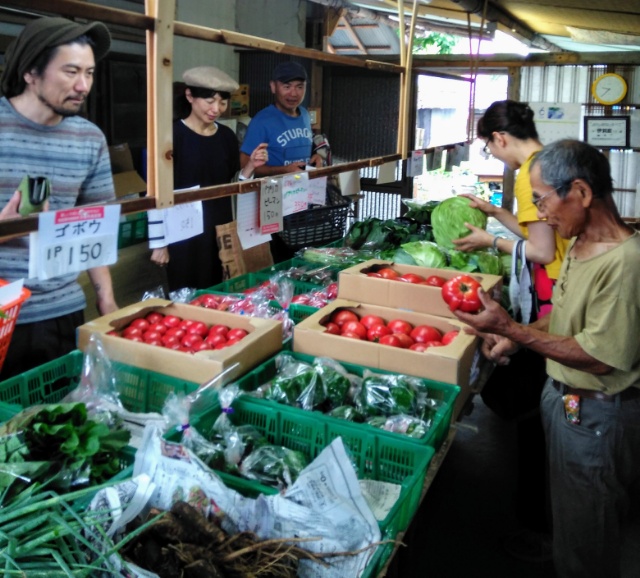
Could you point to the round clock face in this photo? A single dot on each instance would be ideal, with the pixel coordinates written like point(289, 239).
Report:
point(609, 88)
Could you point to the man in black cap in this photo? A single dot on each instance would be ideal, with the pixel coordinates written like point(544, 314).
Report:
point(49, 71)
point(284, 125)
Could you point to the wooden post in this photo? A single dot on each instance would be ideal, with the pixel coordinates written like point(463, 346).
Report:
point(159, 102)
point(399, 146)
point(408, 78)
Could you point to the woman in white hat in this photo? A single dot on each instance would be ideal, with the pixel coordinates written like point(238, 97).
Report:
point(205, 153)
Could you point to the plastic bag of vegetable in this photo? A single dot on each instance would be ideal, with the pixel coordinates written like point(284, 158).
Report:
point(385, 395)
point(336, 381)
point(408, 425)
point(449, 217)
point(274, 465)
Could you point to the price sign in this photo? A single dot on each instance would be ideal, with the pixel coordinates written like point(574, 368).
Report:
point(294, 193)
point(415, 164)
point(74, 240)
point(270, 206)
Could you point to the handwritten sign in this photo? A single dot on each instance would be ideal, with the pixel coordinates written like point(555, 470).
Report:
point(415, 164)
point(182, 222)
point(74, 240)
point(248, 226)
point(270, 206)
point(294, 193)
point(317, 191)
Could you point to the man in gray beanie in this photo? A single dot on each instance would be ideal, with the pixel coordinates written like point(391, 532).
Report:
point(49, 71)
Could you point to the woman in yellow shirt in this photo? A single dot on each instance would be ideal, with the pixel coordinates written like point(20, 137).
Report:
point(511, 136)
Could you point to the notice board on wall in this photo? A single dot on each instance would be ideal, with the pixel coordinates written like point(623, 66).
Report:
point(557, 120)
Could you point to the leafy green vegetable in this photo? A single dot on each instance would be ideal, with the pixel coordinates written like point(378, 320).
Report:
point(449, 217)
point(347, 412)
point(274, 465)
point(489, 263)
point(426, 254)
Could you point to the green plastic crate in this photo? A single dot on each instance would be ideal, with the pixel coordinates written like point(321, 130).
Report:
point(133, 230)
point(376, 457)
point(140, 390)
point(298, 312)
point(444, 392)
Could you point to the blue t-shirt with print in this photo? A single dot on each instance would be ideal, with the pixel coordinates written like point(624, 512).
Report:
point(289, 138)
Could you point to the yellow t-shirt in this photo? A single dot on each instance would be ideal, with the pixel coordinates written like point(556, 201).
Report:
point(527, 213)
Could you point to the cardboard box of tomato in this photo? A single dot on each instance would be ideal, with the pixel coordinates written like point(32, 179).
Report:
point(357, 284)
point(263, 339)
point(453, 363)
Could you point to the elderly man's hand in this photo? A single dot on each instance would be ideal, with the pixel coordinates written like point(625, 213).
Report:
point(10, 210)
point(498, 349)
point(490, 319)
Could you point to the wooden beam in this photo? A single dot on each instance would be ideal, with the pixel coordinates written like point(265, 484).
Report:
point(159, 102)
point(332, 19)
point(352, 33)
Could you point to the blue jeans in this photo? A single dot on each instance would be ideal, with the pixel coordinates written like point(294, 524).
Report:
point(594, 469)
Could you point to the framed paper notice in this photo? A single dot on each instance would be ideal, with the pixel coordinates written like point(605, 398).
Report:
point(609, 131)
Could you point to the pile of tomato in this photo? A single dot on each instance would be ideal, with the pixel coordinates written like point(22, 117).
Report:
point(173, 332)
point(395, 333)
point(393, 275)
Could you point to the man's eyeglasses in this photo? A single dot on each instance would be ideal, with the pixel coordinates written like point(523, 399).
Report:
point(538, 202)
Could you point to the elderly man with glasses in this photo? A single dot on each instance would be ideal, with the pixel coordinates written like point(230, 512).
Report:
point(591, 402)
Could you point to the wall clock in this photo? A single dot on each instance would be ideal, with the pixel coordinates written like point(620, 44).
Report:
point(609, 88)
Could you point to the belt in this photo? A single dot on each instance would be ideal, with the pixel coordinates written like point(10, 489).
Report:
point(624, 395)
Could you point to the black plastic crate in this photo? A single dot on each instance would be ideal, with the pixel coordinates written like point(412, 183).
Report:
point(315, 227)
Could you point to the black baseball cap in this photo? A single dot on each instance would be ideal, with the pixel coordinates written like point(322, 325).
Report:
point(288, 71)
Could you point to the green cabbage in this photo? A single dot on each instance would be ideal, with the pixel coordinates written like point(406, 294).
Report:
point(449, 217)
point(426, 254)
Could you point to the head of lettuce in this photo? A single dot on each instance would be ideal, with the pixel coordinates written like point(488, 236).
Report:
point(449, 217)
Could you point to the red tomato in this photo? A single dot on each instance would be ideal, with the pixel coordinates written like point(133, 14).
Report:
point(391, 340)
point(209, 301)
point(433, 344)
point(141, 323)
point(174, 345)
point(419, 347)
point(151, 335)
point(191, 341)
point(113, 332)
point(400, 326)
point(131, 331)
point(388, 273)
point(236, 333)
point(203, 346)
point(214, 338)
point(232, 341)
point(159, 327)
point(185, 323)
point(375, 332)
point(171, 321)
point(435, 281)
point(424, 333)
point(301, 299)
point(350, 334)
point(137, 338)
point(170, 340)
point(406, 341)
point(354, 327)
point(175, 331)
point(199, 328)
point(154, 317)
point(372, 274)
point(331, 291)
point(221, 329)
point(370, 320)
point(342, 316)
point(332, 328)
point(461, 292)
point(449, 336)
point(411, 278)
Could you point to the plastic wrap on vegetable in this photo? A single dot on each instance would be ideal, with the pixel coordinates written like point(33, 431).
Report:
point(293, 377)
point(182, 295)
point(274, 465)
point(347, 412)
point(97, 388)
point(385, 395)
point(337, 382)
point(408, 425)
point(339, 256)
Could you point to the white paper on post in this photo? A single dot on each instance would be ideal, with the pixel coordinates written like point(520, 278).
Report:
point(74, 240)
point(270, 206)
point(317, 191)
point(387, 173)
point(349, 183)
point(248, 221)
point(415, 163)
point(294, 193)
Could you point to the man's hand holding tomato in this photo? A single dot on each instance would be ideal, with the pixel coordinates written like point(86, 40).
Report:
point(490, 323)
